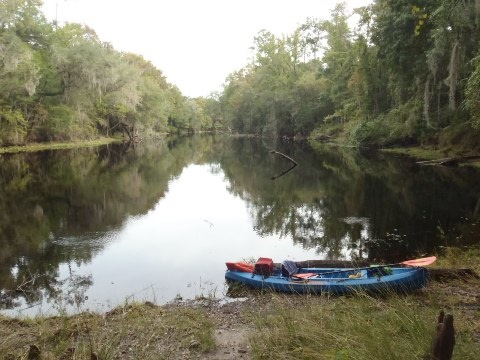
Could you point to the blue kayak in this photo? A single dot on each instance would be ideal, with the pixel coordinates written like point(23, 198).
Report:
point(335, 280)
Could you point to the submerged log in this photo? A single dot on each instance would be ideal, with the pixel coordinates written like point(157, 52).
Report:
point(450, 161)
point(444, 339)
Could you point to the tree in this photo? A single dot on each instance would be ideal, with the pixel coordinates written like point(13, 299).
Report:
point(472, 100)
point(18, 72)
point(63, 82)
point(25, 18)
point(18, 81)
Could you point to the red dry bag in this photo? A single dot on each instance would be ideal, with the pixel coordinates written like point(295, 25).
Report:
point(264, 266)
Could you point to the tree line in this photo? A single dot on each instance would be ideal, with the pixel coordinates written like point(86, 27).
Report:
point(62, 83)
point(409, 73)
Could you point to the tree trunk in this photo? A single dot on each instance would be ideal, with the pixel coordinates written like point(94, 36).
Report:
point(128, 131)
point(426, 103)
point(476, 211)
point(477, 12)
point(453, 70)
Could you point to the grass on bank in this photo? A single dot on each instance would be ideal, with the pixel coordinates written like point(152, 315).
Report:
point(56, 145)
point(343, 328)
point(135, 332)
point(454, 257)
point(360, 327)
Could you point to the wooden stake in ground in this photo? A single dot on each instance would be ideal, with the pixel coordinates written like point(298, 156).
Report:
point(34, 352)
point(444, 340)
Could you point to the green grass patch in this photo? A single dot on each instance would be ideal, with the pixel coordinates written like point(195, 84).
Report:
point(359, 327)
point(454, 257)
point(133, 331)
point(56, 145)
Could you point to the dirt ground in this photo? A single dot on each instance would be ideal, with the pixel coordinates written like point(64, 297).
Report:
point(232, 329)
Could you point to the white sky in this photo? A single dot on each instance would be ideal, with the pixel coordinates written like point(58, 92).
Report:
point(196, 43)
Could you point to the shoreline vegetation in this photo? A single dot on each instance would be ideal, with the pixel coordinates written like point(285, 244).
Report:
point(263, 325)
point(57, 145)
point(416, 152)
point(425, 155)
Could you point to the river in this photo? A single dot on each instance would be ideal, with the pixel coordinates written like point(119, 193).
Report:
point(89, 229)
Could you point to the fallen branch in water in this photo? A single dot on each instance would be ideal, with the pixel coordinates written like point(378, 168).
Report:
point(286, 157)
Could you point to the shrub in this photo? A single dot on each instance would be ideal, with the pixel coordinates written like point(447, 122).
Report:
point(14, 127)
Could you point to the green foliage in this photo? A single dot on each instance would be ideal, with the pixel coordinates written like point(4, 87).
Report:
point(14, 127)
point(61, 122)
point(371, 133)
point(25, 18)
point(399, 79)
point(285, 91)
point(65, 83)
point(461, 138)
point(18, 72)
point(397, 127)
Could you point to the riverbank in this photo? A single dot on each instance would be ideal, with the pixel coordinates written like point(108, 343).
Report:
point(263, 326)
point(57, 145)
point(456, 142)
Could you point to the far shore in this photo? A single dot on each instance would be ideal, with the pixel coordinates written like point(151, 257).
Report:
point(32, 147)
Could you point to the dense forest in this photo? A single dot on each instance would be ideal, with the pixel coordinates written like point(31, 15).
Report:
point(63, 83)
point(408, 73)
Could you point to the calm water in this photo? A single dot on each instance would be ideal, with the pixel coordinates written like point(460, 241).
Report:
point(93, 228)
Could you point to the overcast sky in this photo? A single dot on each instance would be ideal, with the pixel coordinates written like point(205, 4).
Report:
point(196, 43)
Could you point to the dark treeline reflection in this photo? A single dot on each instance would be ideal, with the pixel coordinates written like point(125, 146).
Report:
point(343, 202)
point(63, 207)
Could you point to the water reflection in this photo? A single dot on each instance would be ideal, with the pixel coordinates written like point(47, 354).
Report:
point(371, 205)
point(160, 220)
point(64, 207)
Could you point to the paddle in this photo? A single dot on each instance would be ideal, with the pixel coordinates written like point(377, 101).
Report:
point(414, 262)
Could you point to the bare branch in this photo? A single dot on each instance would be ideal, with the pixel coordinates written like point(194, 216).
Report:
point(289, 159)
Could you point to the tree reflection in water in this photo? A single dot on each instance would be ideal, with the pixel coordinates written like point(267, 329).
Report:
point(64, 207)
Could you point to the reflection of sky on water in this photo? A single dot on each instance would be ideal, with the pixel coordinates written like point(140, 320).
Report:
point(178, 248)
